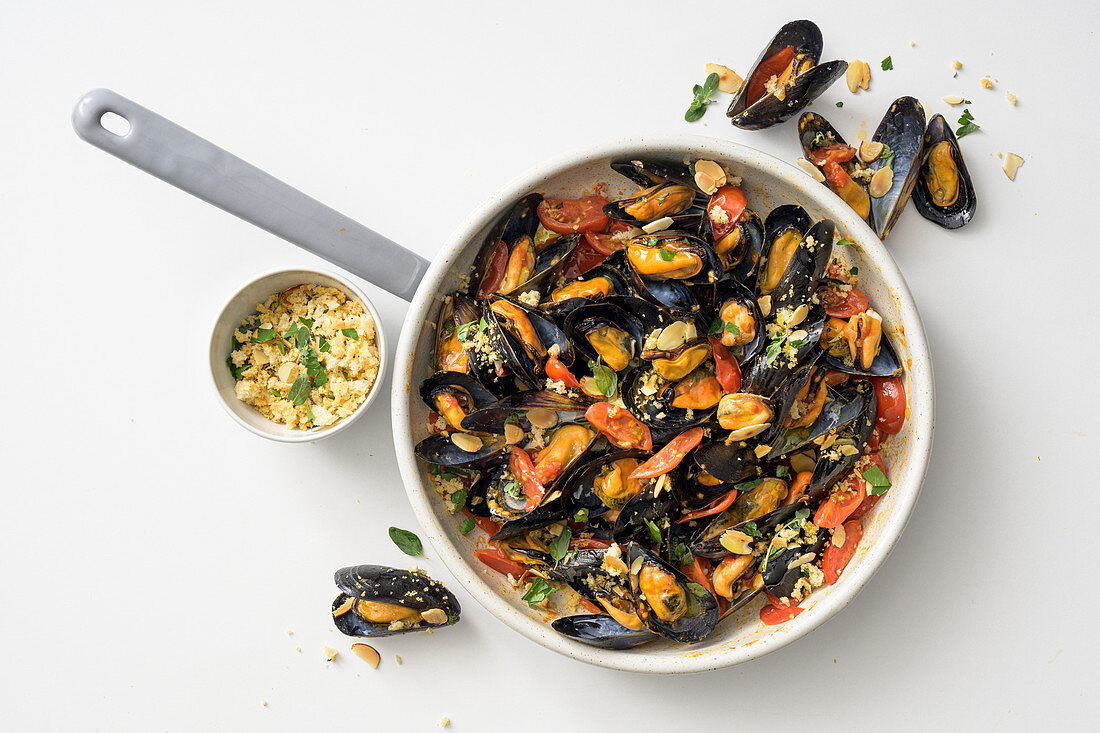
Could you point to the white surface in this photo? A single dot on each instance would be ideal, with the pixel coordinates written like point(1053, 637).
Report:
point(153, 554)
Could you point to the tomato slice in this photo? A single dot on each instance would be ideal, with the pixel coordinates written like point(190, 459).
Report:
point(842, 501)
point(775, 615)
point(560, 373)
point(835, 153)
point(699, 571)
point(670, 456)
point(588, 543)
point(497, 560)
point(523, 468)
point(569, 216)
point(833, 377)
point(487, 525)
point(494, 273)
point(835, 559)
point(732, 201)
point(890, 395)
point(590, 606)
point(620, 427)
point(605, 244)
point(583, 259)
point(865, 462)
point(843, 303)
point(721, 504)
point(726, 369)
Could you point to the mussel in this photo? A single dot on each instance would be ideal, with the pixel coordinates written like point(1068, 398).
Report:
point(375, 600)
point(860, 346)
point(673, 255)
point(524, 337)
point(596, 629)
point(754, 502)
point(453, 395)
point(605, 331)
point(666, 601)
point(845, 173)
point(902, 134)
point(738, 320)
point(944, 193)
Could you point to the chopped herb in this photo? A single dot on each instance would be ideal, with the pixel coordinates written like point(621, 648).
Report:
point(967, 101)
point(559, 546)
point(877, 479)
point(448, 328)
point(290, 332)
point(299, 391)
point(887, 156)
point(511, 488)
point(464, 330)
point(606, 380)
point(350, 333)
point(772, 352)
point(466, 525)
point(887, 64)
point(666, 254)
point(680, 554)
point(749, 485)
point(955, 75)
point(581, 515)
point(537, 592)
point(345, 374)
point(483, 324)
point(782, 472)
point(513, 419)
point(840, 104)
point(406, 541)
point(238, 372)
point(733, 328)
point(276, 393)
point(307, 322)
point(458, 499)
point(966, 124)
point(263, 335)
point(853, 271)
point(309, 414)
point(654, 531)
point(716, 327)
point(282, 346)
point(702, 98)
point(753, 531)
point(848, 242)
point(323, 344)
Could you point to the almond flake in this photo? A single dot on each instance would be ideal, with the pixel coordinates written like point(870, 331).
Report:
point(655, 226)
point(367, 653)
point(728, 80)
point(870, 151)
point(1011, 165)
point(812, 169)
point(881, 182)
point(953, 99)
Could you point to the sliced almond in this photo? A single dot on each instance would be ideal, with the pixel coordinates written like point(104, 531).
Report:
point(1011, 165)
point(952, 99)
point(343, 607)
point(812, 169)
point(798, 337)
point(803, 462)
point(367, 653)
point(712, 172)
point(672, 336)
point(801, 560)
point(705, 183)
point(839, 535)
point(330, 653)
point(467, 442)
point(763, 450)
point(869, 151)
point(881, 182)
point(615, 565)
point(858, 75)
point(849, 450)
point(765, 303)
point(286, 371)
point(542, 418)
point(736, 542)
point(798, 316)
point(434, 616)
point(636, 566)
point(728, 80)
point(513, 433)
point(655, 226)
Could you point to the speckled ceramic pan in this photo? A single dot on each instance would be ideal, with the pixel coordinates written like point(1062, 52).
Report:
point(168, 151)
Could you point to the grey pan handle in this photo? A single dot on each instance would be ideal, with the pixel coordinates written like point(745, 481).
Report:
point(187, 161)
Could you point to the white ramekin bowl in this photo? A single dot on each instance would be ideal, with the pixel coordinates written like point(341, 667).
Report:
point(242, 304)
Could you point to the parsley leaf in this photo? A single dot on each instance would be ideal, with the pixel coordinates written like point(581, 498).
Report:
point(853, 271)
point(966, 124)
point(263, 335)
point(749, 485)
point(840, 104)
point(351, 333)
point(877, 479)
point(458, 498)
point(733, 328)
point(406, 541)
point(887, 64)
point(466, 525)
point(702, 96)
point(782, 472)
point(464, 330)
point(322, 344)
point(887, 156)
point(299, 391)
point(537, 592)
point(716, 327)
point(666, 254)
point(307, 322)
point(752, 530)
point(680, 554)
point(606, 380)
point(772, 352)
point(581, 515)
point(559, 546)
point(654, 531)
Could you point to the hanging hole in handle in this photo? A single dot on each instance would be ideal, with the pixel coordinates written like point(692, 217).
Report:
point(115, 124)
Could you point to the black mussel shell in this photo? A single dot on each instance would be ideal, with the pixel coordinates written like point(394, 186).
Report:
point(678, 241)
point(814, 132)
point(686, 212)
point(740, 262)
point(785, 397)
point(763, 376)
point(780, 220)
point(903, 130)
point(394, 586)
point(524, 362)
point(757, 503)
point(805, 270)
point(729, 289)
point(651, 171)
point(656, 410)
point(699, 613)
point(674, 296)
point(840, 409)
point(612, 269)
point(581, 486)
point(961, 211)
point(654, 501)
point(475, 496)
point(518, 222)
point(779, 579)
point(492, 417)
point(887, 363)
point(455, 383)
point(833, 465)
point(602, 313)
point(602, 631)
point(441, 450)
point(728, 463)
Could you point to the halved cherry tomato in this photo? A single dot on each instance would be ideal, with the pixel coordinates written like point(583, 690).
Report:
point(560, 373)
point(872, 499)
point(835, 153)
point(774, 65)
point(497, 560)
point(843, 303)
point(583, 259)
point(775, 615)
point(890, 395)
point(569, 216)
point(523, 468)
point(721, 504)
point(588, 543)
point(604, 244)
point(835, 558)
point(798, 487)
point(487, 525)
point(732, 201)
point(670, 456)
point(726, 369)
point(875, 440)
point(590, 606)
point(620, 427)
point(494, 273)
point(842, 502)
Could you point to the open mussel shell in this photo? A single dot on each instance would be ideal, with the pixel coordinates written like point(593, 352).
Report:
point(692, 492)
point(835, 463)
point(902, 129)
point(674, 296)
point(523, 336)
point(815, 132)
point(785, 397)
point(944, 193)
point(519, 222)
point(599, 630)
point(887, 363)
point(674, 200)
point(803, 38)
point(656, 410)
point(733, 299)
point(604, 280)
point(590, 486)
point(441, 450)
point(805, 269)
point(492, 417)
point(653, 502)
point(449, 353)
point(604, 330)
point(673, 255)
point(784, 229)
point(394, 587)
point(650, 171)
point(667, 602)
point(840, 409)
point(779, 577)
point(754, 504)
point(727, 462)
point(437, 391)
point(740, 259)
point(763, 376)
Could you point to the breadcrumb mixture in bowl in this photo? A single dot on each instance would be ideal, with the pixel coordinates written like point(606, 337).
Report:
point(307, 357)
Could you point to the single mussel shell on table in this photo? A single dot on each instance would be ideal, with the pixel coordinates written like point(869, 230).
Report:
point(599, 630)
point(869, 338)
point(492, 418)
point(605, 331)
point(752, 505)
point(849, 178)
point(667, 602)
point(453, 395)
point(944, 193)
point(673, 255)
point(741, 323)
point(902, 130)
point(375, 600)
point(784, 78)
point(524, 336)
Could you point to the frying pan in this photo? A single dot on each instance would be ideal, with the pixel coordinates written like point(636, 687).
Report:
point(168, 151)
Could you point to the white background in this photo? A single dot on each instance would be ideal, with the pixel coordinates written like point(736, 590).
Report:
point(153, 555)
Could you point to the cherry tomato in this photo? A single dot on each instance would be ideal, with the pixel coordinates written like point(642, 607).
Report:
point(842, 501)
point(890, 395)
point(721, 504)
point(730, 199)
point(843, 303)
point(560, 373)
point(865, 462)
point(798, 487)
point(620, 427)
point(774, 65)
point(494, 273)
point(590, 606)
point(588, 543)
point(670, 456)
point(523, 468)
point(775, 600)
point(583, 259)
point(487, 525)
point(605, 244)
point(569, 216)
point(835, 153)
point(775, 615)
point(699, 571)
point(726, 369)
point(497, 560)
point(835, 558)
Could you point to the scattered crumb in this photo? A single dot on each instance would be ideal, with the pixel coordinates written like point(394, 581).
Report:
point(1010, 98)
point(290, 632)
point(956, 64)
point(912, 43)
point(330, 653)
point(298, 649)
point(986, 82)
point(445, 723)
point(263, 703)
point(1000, 155)
point(398, 658)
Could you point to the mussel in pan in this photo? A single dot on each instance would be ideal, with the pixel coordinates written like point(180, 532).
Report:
point(859, 346)
point(673, 255)
point(944, 193)
point(667, 602)
point(602, 631)
point(375, 600)
point(453, 395)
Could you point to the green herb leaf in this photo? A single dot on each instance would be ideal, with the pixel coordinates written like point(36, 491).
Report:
point(581, 515)
point(966, 124)
point(654, 531)
point(840, 104)
point(955, 75)
point(290, 332)
point(238, 372)
point(716, 327)
point(967, 101)
point(606, 380)
point(322, 344)
point(466, 525)
point(680, 554)
point(853, 271)
point(309, 413)
point(710, 86)
point(538, 591)
point(877, 479)
point(350, 333)
point(263, 335)
point(299, 391)
point(511, 488)
point(282, 346)
point(458, 498)
point(887, 156)
point(406, 541)
point(749, 485)
point(887, 64)
point(702, 96)
point(782, 472)
point(733, 328)
point(753, 531)
point(464, 330)
point(695, 111)
point(666, 254)
point(307, 322)
point(276, 393)
point(772, 352)
point(559, 546)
